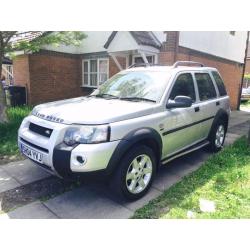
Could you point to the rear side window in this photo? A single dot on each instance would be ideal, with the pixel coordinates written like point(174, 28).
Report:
point(205, 86)
point(219, 83)
point(184, 85)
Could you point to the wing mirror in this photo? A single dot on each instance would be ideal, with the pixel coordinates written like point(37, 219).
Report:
point(180, 102)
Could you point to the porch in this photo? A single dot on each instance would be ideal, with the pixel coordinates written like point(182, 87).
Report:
point(133, 47)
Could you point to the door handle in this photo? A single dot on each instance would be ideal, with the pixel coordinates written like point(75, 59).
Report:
point(197, 109)
point(217, 103)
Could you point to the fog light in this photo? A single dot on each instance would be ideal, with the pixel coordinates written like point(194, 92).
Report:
point(80, 159)
point(77, 161)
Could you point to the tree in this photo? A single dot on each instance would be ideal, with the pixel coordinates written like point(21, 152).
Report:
point(8, 44)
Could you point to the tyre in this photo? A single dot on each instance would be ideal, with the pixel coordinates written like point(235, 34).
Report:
point(135, 173)
point(217, 136)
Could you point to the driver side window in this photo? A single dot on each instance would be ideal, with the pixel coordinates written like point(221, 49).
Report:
point(184, 85)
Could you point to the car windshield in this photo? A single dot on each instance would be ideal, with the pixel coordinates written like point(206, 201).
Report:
point(135, 86)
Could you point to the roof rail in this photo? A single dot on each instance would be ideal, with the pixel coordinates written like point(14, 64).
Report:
point(184, 63)
point(142, 65)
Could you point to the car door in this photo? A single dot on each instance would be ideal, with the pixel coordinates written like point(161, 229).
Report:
point(208, 101)
point(181, 125)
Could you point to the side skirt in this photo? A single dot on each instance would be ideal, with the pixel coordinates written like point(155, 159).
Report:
point(185, 151)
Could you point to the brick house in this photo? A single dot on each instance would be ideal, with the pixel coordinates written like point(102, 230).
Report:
point(247, 68)
point(63, 72)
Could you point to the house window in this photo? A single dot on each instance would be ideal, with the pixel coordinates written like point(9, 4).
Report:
point(95, 72)
point(139, 59)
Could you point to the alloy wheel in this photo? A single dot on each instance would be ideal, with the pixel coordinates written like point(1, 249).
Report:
point(139, 174)
point(219, 136)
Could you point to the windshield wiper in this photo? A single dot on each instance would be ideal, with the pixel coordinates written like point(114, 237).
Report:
point(137, 99)
point(106, 95)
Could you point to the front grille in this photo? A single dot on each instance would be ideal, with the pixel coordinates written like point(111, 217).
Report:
point(34, 146)
point(40, 130)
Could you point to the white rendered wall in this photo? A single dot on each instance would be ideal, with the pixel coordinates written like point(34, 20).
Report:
point(123, 41)
point(218, 43)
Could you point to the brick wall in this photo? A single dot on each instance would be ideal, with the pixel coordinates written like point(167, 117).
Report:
point(21, 73)
point(113, 69)
point(53, 78)
point(166, 58)
point(50, 76)
point(172, 38)
point(21, 70)
point(247, 69)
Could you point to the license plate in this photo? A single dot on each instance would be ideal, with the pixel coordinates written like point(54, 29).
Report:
point(31, 153)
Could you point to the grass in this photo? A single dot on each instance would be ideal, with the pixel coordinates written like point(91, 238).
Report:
point(8, 131)
point(224, 179)
point(245, 104)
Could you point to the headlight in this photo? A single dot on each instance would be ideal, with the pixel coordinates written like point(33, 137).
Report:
point(87, 134)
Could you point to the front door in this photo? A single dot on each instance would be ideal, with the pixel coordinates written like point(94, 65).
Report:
point(182, 127)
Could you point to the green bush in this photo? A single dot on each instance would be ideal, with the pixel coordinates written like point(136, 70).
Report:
point(16, 114)
point(8, 131)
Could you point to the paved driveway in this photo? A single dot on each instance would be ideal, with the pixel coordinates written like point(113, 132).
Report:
point(28, 192)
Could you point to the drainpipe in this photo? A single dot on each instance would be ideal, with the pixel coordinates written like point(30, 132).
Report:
point(243, 72)
point(176, 46)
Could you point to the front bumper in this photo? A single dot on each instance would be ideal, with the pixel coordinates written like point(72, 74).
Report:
point(60, 158)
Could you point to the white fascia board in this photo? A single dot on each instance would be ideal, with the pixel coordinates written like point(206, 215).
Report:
point(18, 53)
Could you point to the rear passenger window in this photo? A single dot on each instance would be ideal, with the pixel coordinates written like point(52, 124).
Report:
point(205, 86)
point(219, 83)
point(184, 85)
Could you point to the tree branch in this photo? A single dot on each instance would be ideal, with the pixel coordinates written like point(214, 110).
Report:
point(8, 37)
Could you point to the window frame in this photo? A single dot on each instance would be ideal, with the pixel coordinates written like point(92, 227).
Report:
point(154, 57)
point(98, 71)
point(216, 84)
point(194, 82)
point(215, 87)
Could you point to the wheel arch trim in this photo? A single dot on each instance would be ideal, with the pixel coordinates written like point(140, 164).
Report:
point(131, 139)
point(221, 114)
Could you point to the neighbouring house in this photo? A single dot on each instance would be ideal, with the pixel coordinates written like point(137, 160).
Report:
point(66, 71)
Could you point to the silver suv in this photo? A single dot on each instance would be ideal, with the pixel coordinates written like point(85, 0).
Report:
point(138, 120)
